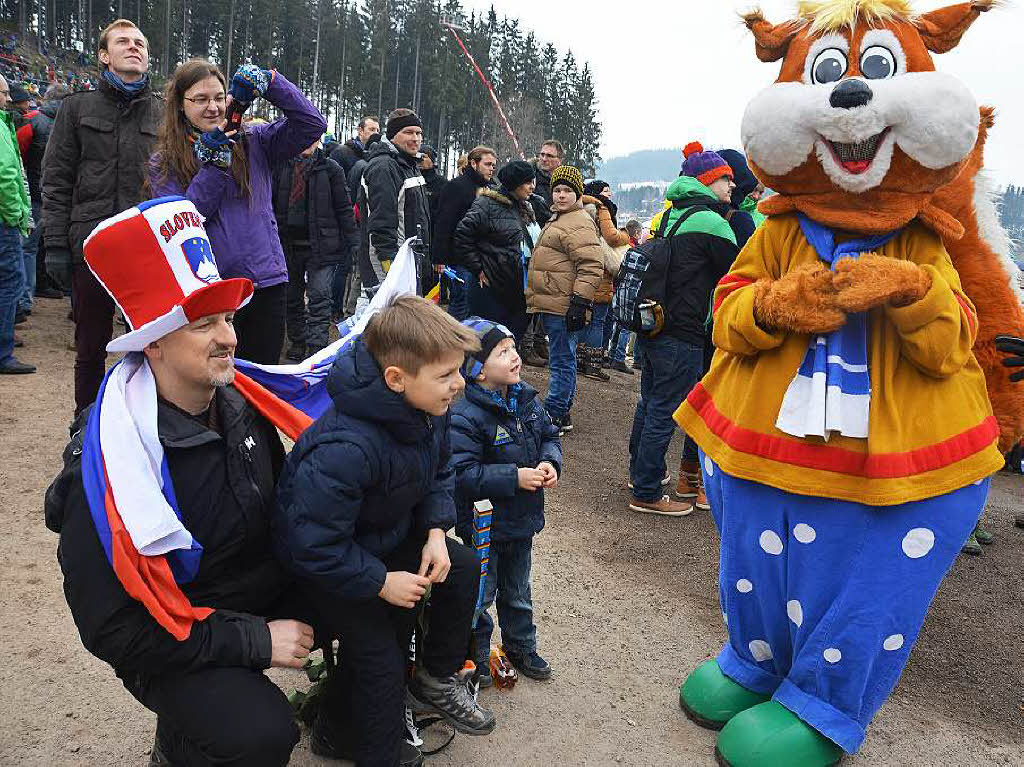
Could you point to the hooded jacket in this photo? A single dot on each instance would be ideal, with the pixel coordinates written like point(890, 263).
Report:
point(489, 446)
point(703, 249)
point(456, 199)
point(368, 474)
point(331, 229)
point(242, 230)
point(224, 484)
point(95, 161)
point(488, 240)
point(567, 260)
point(394, 206)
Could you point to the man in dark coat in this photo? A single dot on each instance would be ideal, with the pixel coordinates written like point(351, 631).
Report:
point(354, 149)
point(318, 234)
point(93, 167)
point(392, 198)
point(455, 200)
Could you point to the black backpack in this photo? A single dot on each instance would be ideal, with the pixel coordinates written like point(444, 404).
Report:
point(641, 284)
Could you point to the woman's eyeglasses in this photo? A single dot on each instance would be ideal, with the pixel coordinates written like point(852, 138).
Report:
point(204, 101)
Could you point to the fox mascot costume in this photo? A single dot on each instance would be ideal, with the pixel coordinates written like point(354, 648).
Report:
point(847, 436)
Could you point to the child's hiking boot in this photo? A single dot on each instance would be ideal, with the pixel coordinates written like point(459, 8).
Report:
point(450, 698)
point(710, 698)
point(325, 741)
point(771, 734)
point(665, 507)
point(985, 537)
point(531, 665)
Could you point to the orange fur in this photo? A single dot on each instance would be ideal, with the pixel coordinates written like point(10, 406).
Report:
point(872, 280)
point(802, 300)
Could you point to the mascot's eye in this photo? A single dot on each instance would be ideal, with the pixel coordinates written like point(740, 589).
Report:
point(829, 66)
point(877, 63)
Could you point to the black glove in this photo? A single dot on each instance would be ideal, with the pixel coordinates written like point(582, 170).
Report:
point(579, 314)
point(1015, 347)
point(58, 266)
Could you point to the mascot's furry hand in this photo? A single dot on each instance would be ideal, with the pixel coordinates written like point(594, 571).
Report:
point(803, 300)
point(1014, 347)
point(872, 280)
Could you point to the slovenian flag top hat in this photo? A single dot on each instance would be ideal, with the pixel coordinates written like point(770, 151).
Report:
point(156, 262)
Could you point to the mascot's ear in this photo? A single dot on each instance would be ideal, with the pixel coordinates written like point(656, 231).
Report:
point(771, 41)
point(942, 28)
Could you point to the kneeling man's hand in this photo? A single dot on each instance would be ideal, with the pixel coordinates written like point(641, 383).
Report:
point(435, 563)
point(403, 589)
point(290, 643)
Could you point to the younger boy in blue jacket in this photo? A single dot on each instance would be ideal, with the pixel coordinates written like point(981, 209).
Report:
point(505, 449)
point(364, 501)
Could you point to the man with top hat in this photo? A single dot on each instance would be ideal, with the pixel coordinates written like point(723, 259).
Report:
point(163, 505)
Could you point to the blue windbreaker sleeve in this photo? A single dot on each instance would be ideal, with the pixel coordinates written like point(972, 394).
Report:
point(315, 520)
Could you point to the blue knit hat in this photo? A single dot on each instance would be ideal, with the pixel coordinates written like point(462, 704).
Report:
point(490, 334)
point(706, 167)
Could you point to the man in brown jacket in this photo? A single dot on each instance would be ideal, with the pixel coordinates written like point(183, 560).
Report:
point(565, 271)
point(92, 168)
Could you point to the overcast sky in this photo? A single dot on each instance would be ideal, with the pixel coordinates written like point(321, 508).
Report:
point(672, 72)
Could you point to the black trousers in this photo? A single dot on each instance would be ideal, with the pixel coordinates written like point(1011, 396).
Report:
point(259, 325)
point(367, 705)
point(93, 311)
point(222, 716)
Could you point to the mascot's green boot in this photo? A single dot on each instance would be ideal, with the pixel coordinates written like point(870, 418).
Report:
point(711, 699)
point(770, 735)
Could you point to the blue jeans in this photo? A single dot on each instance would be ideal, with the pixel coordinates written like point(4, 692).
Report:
point(30, 249)
point(508, 584)
point(11, 281)
point(619, 342)
point(670, 369)
point(561, 363)
point(458, 293)
point(594, 332)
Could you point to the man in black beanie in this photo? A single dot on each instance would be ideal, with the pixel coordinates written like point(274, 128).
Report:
point(392, 198)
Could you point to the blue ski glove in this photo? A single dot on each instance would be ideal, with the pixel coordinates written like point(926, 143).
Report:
point(214, 147)
point(249, 81)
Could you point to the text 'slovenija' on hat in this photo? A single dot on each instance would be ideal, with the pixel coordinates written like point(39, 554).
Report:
point(156, 262)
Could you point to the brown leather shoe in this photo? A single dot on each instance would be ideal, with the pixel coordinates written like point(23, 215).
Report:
point(664, 507)
point(701, 500)
point(689, 485)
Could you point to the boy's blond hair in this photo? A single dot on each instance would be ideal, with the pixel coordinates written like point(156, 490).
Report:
point(411, 332)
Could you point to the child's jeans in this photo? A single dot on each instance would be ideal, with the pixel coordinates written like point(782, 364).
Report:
point(508, 584)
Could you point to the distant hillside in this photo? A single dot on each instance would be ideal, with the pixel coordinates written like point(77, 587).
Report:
point(645, 165)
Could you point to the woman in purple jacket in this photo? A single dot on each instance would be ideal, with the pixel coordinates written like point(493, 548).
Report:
point(228, 178)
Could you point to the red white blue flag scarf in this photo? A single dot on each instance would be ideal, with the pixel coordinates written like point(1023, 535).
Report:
point(125, 475)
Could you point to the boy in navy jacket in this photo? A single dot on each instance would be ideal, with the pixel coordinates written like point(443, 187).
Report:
point(505, 449)
point(364, 502)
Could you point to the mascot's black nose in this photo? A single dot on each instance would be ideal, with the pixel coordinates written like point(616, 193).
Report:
point(849, 94)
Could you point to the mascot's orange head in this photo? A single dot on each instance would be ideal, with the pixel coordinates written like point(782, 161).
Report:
point(859, 130)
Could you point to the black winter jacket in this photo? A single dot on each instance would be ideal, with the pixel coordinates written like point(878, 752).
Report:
point(95, 162)
point(331, 226)
point(347, 154)
point(455, 200)
point(368, 474)
point(488, 240)
point(489, 446)
point(394, 205)
point(41, 123)
point(224, 484)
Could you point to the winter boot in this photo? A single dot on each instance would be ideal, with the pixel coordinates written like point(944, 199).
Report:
point(540, 346)
point(591, 363)
point(529, 664)
point(771, 734)
point(985, 537)
point(620, 367)
point(296, 352)
point(327, 742)
point(691, 484)
point(450, 698)
point(530, 356)
point(971, 546)
point(710, 698)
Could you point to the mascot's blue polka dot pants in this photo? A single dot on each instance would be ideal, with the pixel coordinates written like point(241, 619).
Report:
point(824, 599)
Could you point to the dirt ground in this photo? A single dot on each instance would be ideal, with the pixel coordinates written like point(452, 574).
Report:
point(625, 605)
